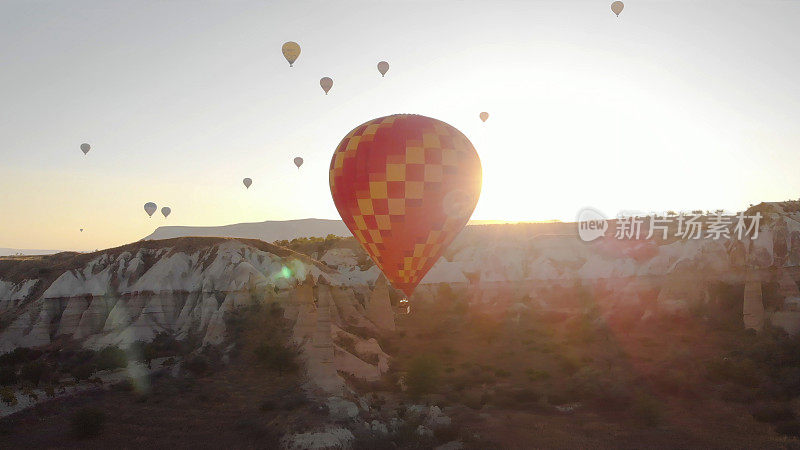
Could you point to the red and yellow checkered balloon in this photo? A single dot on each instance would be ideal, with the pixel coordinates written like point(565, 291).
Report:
point(405, 185)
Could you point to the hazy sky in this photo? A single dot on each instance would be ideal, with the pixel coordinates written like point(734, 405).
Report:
point(675, 105)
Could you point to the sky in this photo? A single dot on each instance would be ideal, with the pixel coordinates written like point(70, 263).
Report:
point(675, 105)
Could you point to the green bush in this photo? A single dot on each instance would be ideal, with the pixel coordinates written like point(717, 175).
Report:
point(198, 365)
point(87, 422)
point(35, 372)
point(789, 428)
point(8, 375)
point(772, 412)
point(647, 410)
point(740, 371)
point(7, 396)
point(83, 371)
point(537, 375)
point(277, 357)
point(19, 355)
point(423, 375)
point(502, 373)
point(675, 382)
point(110, 358)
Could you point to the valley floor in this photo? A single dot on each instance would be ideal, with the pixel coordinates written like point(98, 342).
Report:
point(507, 380)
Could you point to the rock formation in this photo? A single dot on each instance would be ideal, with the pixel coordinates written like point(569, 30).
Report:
point(379, 307)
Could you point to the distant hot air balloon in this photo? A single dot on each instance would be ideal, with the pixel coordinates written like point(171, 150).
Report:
point(298, 162)
point(484, 116)
point(291, 50)
point(85, 148)
point(326, 84)
point(166, 211)
point(247, 182)
point(405, 186)
point(383, 67)
point(150, 208)
point(81, 230)
point(617, 7)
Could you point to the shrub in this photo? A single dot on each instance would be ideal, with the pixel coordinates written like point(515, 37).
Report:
point(8, 396)
point(423, 375)
point(87, 422)
point(474, 400)
point(735, 393)
point(34, 372)
point(772, 412)
point(647, 410)
point(8, 375)
point(740, 371)
point(198, 365)
point(674, 382)
point(267, 405)
point(110, 358)
point(502, 373)
point(19, 355)
point(537, 375)
point(124, 386)
point(789, 428)
point(83, 371)
point(277, 357)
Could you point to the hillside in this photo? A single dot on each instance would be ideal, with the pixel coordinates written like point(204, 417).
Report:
point(666, 343)
point(268, 231)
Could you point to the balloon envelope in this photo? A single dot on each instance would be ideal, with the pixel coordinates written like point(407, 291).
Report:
point(617, 7)
point(326, 84)
point(81, 230)
point(298, 162)
point(405, 186)
point(85, 148)
point(291, 50)
point(247, 182)
point(166, 211)
point(150, 208)
point(383, 67)
point(484, 116)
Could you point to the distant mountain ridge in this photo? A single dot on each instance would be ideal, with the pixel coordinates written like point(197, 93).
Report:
point(268, 231)
point(25, 251)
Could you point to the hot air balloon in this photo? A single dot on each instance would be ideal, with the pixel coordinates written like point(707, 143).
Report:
point(85, 148)
point(291, 50)
point(150, 208)
point(166, 211)
point(81, 230)
point(617, 7)
point(405, 185)
point(484, 116)
point(383, 67)
point(298, 162)
point(247, 182)
point(326, 84)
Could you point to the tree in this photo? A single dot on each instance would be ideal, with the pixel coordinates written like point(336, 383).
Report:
point(423, 375)
point(277, 357)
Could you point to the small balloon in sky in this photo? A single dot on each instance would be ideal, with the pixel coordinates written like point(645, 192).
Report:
point(617, 7)
point(383, 67)
point(298, 162)
point(166, 211)
point(326, 83)
point(150, 208)
point(81, 230)
point(247, 182)
point(85, 148)
point(484, 116)
point(291, 50)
